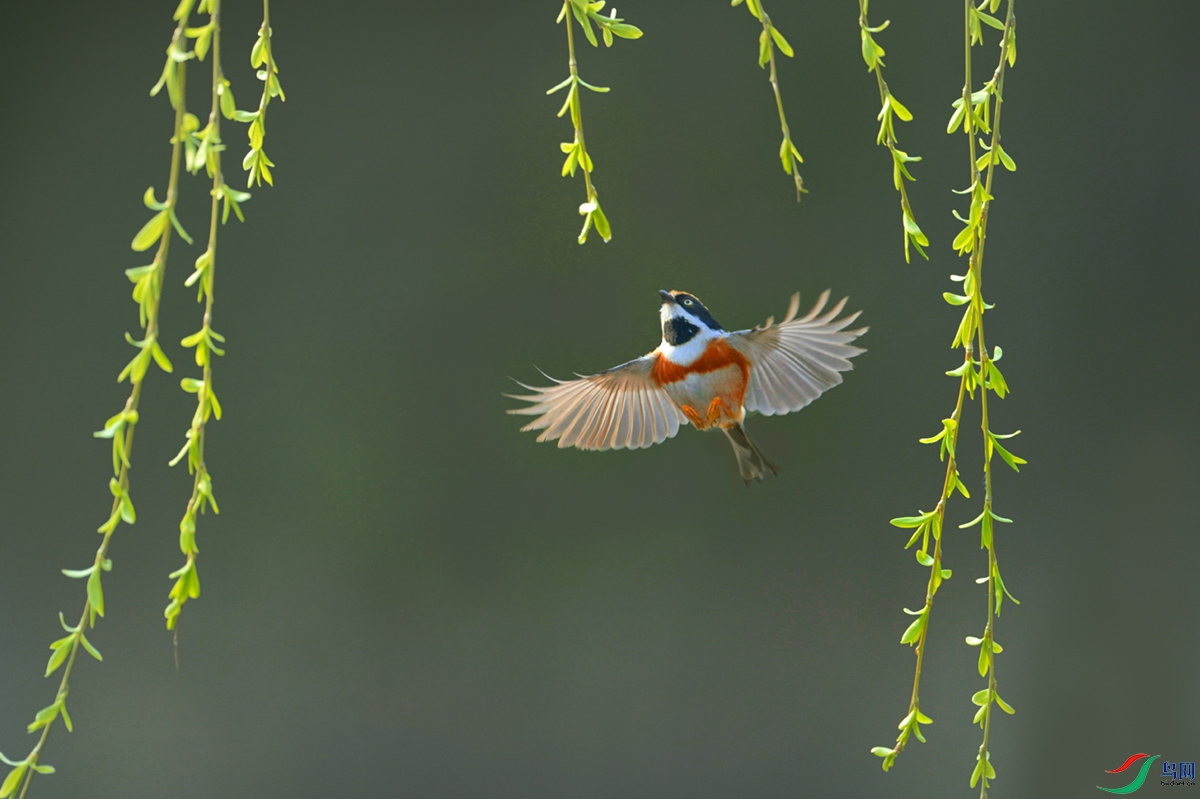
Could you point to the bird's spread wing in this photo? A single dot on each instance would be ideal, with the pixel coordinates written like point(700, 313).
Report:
point(797, 360)
point(620, 408)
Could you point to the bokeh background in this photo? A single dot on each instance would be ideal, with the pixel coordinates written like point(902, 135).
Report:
point(405, 596)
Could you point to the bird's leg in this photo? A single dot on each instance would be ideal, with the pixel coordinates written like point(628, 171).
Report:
point(714, 410)
point(693, 416)
point(717, 409)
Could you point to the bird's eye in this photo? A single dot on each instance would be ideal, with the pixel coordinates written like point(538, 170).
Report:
point(687, 302)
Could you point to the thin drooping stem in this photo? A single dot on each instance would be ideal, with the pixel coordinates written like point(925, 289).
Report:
point(984, 362)
point(209, 277)
point(129, 415)
point(262, 57)
point(969, 123)
point(768, 40)
point(269, 53)
point(898, 157)
point(998, 78)
point(204, 341)
point(978, 370)
point(576, 150)
point(34, 756)
point(577, 110)
point(265, 98)
point(949, 484)
point(890, 108)
point(783, 123)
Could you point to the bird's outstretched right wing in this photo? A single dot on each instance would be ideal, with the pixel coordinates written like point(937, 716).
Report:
point(797, 360)
point(621, 408)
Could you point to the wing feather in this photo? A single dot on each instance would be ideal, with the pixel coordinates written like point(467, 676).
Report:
point(652, 420)
point(660, 419)
point(652, 412)
point(621, 408)
point(588, 406)
point(639, 434)
point(574, 410)
point(603, 422)
point(555, 423)
point(672, 417)
point(612, 421)
point(797, 360)
point(625, 429)
point(654, 415)
point(620, 427)
point(606, 427)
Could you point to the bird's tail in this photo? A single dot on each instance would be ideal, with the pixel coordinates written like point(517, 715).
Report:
point(751, 462)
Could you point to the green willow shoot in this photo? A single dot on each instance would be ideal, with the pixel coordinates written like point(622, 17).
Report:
point(586, 13)
point(927, 525)
point(262, 58)
point(192, 148)
point(204, 150)
point(980, 111)
point(891, 108)
point(147, 292)
point(975, 112)
point(768, 40)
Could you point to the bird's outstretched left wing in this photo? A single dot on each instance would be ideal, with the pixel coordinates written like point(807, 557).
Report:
point(797, 360)
point(621, 408)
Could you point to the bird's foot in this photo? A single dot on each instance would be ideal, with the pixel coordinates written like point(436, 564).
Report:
point(716, 409)
point(693, 416)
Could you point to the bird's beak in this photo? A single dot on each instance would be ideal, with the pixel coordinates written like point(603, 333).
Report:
point(666, 297)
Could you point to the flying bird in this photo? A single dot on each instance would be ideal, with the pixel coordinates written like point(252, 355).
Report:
point(701, 375)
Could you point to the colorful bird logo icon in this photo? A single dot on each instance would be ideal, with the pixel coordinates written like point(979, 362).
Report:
point(1139, 779)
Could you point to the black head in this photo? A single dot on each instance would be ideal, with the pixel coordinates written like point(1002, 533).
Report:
point(691, 306)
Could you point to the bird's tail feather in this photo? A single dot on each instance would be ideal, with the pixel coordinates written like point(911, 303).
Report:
point(751, 461)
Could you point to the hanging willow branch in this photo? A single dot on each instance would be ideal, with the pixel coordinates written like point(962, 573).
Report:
point(768, 40)
point(147, 292)
point(586, 14)
point(890, 109)
point(262, 58)
point(204, 151)
point(988, 101)
point(975, 112)
point(194, 148)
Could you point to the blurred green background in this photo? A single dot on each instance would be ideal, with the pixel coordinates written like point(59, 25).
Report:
point(405, 596)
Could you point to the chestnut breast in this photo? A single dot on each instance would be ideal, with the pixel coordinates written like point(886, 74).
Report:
point(721, 371)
